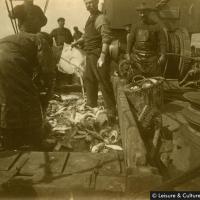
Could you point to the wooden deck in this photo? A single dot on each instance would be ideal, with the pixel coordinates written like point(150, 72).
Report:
point(62, 171)
point(66, 175)
point(57, 174)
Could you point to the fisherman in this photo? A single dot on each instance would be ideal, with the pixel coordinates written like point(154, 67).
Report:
point(25, 14)
point(61, 34)
point(146, 45)
point(96, 39)
point(77, 34)
point(21, 57)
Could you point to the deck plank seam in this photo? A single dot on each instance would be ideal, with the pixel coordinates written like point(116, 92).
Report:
point(65, 163)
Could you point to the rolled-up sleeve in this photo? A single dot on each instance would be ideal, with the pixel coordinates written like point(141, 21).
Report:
point(103, 26)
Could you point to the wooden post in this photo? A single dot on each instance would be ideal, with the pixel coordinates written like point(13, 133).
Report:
point(134, 148)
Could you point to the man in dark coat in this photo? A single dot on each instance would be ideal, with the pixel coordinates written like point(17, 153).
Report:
point(61, 34)
point(96, 39)
point(30, 17)
point(22, 56)
point(146, 45)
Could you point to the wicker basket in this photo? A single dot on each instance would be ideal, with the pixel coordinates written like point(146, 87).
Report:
point(145, 91)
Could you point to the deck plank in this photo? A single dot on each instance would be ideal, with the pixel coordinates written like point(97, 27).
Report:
point(23, 186)
point(61, 171)
point(113, 165)
point(49, 163)
point(81, 162)
point(7, 159)
point(84, 162)
point(111, 183)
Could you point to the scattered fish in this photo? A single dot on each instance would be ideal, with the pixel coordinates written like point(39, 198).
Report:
point(72, 121)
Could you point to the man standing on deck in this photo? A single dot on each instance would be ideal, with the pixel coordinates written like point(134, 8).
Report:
point(96, 40)
point(61, 34)
point(22, 56)
point(146, 45)
point(30, 17)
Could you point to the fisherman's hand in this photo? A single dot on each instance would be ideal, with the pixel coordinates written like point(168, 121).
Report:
point(74, 44)
point(101, 60)
point(78, 42)
point(161, 60)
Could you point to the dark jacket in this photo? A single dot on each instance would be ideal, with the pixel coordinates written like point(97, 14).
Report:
point(21, 57)
point(61, 36)
point(97, 32)
point(147, 37)
point(146, 43)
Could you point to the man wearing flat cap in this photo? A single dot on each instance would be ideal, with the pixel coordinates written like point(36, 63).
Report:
point(61, 34)
point(30, 17)
point(146, 44)
point(23, 56)
point(96, 40)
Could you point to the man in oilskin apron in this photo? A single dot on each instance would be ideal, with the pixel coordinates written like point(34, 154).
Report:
point(146, 45)
point(146, 50)
point(96, 39)
point(22, 56)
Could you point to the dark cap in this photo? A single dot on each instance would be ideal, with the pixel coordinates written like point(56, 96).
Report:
point(26, 14)
point(143, 7)
point(61, 19)
point(18, 12)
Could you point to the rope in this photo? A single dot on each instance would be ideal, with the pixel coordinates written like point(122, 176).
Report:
point(15, 23)
point(46, 6)
point(9, 14)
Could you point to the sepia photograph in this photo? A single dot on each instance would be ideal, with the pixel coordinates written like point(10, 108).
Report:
point(99, 99)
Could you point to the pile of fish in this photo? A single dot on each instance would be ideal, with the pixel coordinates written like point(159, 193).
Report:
point(77, 127)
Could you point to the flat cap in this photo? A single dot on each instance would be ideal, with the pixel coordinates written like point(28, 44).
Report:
point(24, 14)
point(61, 19)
